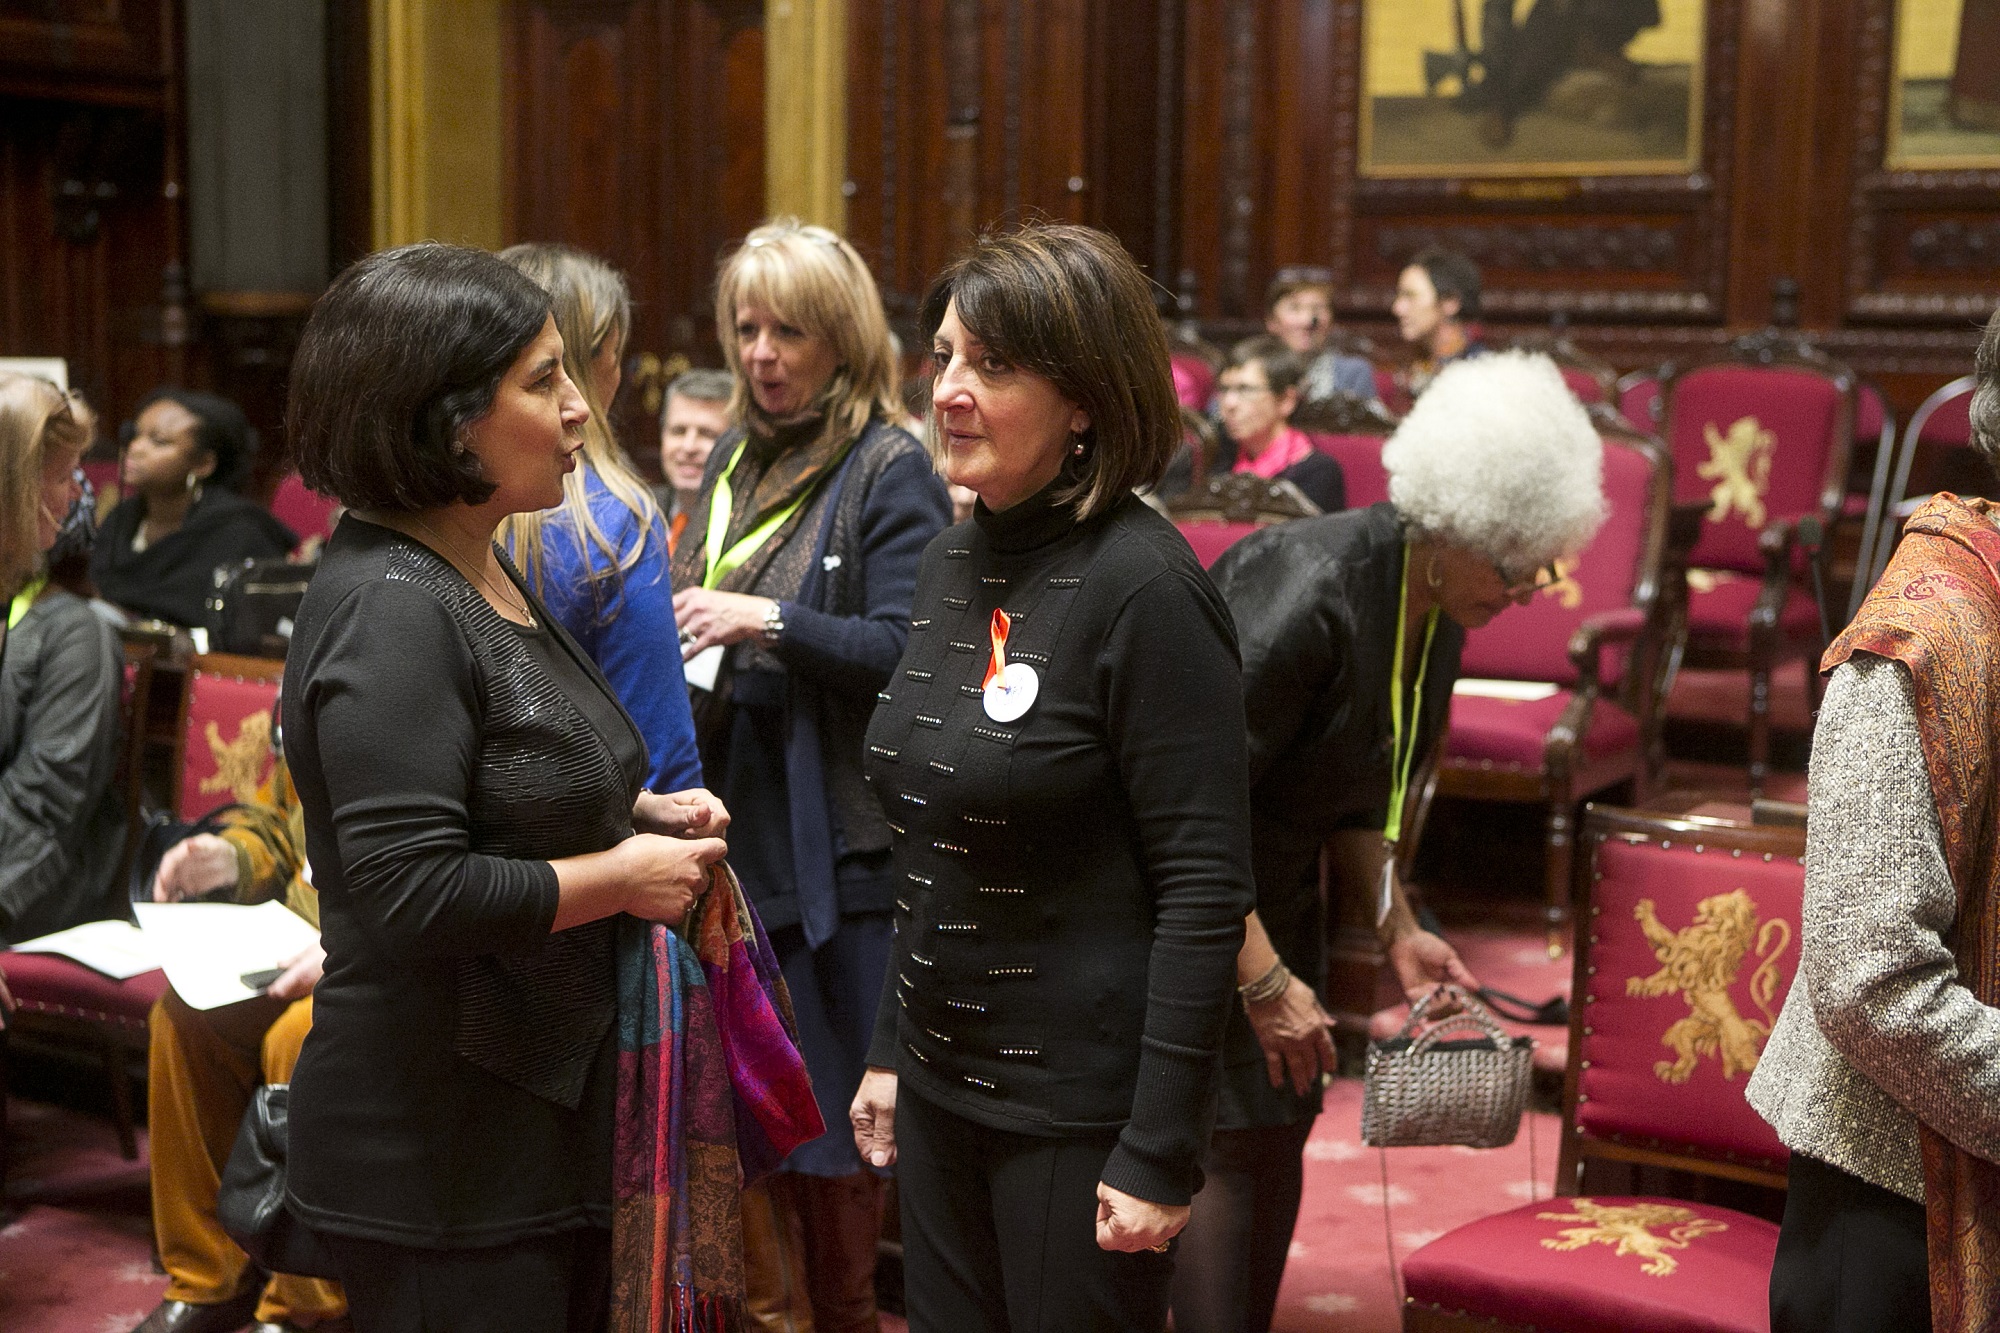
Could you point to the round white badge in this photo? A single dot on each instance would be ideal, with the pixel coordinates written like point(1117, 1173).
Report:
point(1012, 693)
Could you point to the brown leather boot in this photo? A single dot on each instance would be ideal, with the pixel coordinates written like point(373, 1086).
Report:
point(774, 1258)
point(843, 1220)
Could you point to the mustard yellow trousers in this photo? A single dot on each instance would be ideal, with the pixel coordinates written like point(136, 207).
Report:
point(205, 1064)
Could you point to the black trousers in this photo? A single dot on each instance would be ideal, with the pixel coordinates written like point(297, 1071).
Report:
point(1231, 1257)
point(1852, 1257)
point(1000, 1232)
point(548, 1284)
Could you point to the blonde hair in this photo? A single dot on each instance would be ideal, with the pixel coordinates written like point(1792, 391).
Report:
point(813, 280)
point(34, 417)
point(591, 305)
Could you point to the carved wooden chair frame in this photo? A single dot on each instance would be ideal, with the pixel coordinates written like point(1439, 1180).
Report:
point(1779, 541)
point(1241, 497)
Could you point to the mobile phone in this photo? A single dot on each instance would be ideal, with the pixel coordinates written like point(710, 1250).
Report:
point(258, 981)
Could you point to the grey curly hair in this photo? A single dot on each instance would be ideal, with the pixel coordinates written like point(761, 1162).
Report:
point(1499, 457)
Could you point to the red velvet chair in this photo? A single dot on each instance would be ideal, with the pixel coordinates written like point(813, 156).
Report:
point(1352, 432)
point(1657, 1081)
point(1591, 380)
point(1226, 508)
point(225, 732)
point(1599, 639)
point(1760, 438)
point(305, 512)
point(64, 1004)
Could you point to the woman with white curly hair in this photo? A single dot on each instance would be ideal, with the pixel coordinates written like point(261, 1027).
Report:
point(1351, 626)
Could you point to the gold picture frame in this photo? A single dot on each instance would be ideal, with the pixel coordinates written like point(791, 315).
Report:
point(1944, 87)
point(1616, 94)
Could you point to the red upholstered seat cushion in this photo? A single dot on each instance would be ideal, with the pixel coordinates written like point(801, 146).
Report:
point(1360, 459)
point(44, 983)
point(1762, 436)
point(239, 713)
point(1609, 1278)
point(1719, 603)
point(1508, 733)
point(1210, 540)
point(1661, 1064)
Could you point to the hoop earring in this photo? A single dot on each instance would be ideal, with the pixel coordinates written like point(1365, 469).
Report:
point(1431, 574)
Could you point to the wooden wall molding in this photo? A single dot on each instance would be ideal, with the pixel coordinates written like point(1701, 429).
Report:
point(1922, 246)
point(439, 166)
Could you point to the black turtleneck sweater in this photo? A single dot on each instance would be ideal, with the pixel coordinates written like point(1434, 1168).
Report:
point(1072, 884)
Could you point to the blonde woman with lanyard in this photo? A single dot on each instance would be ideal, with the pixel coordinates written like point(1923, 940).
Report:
point(795, 574)
point(1351, 627)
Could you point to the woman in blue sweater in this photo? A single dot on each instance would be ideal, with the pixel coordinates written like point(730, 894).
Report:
point(599, 560)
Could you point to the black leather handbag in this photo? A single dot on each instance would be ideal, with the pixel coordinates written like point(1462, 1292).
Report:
point(253, 606)
point(251, 1204)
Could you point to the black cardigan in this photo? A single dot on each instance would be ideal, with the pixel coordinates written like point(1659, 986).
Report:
point(1072, 884)
point(1314, 603)
point(456, 1087)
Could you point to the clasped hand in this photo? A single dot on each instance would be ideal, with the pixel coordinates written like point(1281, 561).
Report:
point(667, 859)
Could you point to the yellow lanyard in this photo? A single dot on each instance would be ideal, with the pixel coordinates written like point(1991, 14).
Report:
point(721, 563)
point(1402, 751)
point(18, 610)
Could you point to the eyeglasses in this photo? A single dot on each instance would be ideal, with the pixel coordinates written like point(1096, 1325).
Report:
point(1525, 587)
point(810, 232)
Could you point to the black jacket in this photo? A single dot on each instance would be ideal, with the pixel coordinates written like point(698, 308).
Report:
point(171, 579)
point(1315, 608)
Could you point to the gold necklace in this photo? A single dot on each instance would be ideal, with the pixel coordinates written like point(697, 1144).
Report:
point(515, 603)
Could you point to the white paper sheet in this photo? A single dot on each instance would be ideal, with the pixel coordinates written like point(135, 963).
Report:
point(703, 667)
point(207, 947)
point(118, 949)
point(1520, 691)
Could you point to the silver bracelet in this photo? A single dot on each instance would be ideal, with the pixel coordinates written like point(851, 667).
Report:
point(1267, 987)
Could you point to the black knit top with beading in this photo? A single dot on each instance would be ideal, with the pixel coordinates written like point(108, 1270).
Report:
point(1072, 884)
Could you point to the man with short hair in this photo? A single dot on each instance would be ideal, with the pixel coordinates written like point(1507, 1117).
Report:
point(1437, 299)
point(694, 416)
point(1298, 310)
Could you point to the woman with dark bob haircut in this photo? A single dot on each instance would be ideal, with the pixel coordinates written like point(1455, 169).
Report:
point(1062, 753)
point(471, 792)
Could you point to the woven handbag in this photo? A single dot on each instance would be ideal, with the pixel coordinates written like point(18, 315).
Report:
point(1464, 1081)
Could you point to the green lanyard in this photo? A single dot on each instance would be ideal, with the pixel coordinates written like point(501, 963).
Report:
point(24, 599)
point(721, 563)
point(1402, 751)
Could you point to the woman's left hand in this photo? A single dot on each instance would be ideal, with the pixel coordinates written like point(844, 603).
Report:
point(694, 813)
point(1130, 1224)
point(713, 618)
point(1422, 961)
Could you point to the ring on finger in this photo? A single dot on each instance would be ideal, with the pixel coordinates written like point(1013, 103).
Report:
point(1161, 1248)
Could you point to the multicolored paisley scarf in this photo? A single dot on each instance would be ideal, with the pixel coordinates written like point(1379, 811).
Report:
point(1936, 609)
point(712, 1093)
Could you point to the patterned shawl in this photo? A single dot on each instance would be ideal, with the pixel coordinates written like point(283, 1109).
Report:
point(712, 1093)
point(1936, 609)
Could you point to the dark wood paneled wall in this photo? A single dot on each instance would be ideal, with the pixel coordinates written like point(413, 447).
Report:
point(635, 130)
point(1219, 140)
point(966, 113)
point(91, 261)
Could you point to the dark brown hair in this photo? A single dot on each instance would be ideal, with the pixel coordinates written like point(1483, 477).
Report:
point(1283, 368)
point(1452, 276)
point(1985, 406)
point(405, 350)
point(1067, 303)
point(1298, 278)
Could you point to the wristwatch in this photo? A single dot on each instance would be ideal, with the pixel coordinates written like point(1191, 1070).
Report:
point(774, 623)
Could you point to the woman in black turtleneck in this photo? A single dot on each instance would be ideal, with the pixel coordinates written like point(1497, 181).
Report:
point(1062, 755)
point(795, 570)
